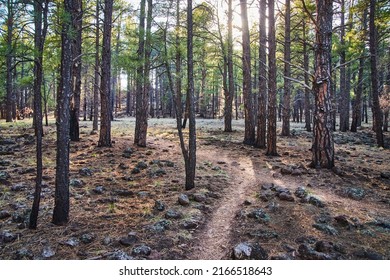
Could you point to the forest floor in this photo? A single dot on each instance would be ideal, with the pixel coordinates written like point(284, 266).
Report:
point(129, 202)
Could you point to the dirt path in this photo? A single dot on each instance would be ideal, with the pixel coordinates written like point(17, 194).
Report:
point(213, 242)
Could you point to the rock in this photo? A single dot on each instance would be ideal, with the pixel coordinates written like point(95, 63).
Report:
point(183, 200)
point(27, 171)
point(190, 224)
point(124, 193)
point(307, 253)
point(142, 165)
point(161, 226)
point(297, 172)
point(18, 187)
point(343, 221)
point(285, 171)
point(128, 178)
point(326, 229)
point(324, 246)
point(5, 163)
point(135, 170)
point(247, 202)
point(284, 257)
point(141, 250)
point(300, 192)
point(368, 254)
point(316, 202)
point(85, 171)
point(24, 254)
point(99, 190)
point(129, 240)
point(267, 187)
point(72, 242)
point(18, 217)
point(280, 189)
point(159, 206)
point(4, 215)
point(119, 255)
point(286, 196)
point(123, 166)
point(353, 193)
point(143, 194)
point(306, 239)
point(87, 238)
point(381, 222)
point(199, 197)
point(266, 195)
point(76, 183)
point(4, 177)
point(264, 234)
point(173, 214)
point(273, 206)
point(157, 173)
point(7, 237)
point(259, 214)
point(107, 240)
point(48, 252)
point(248, 251)
point(127, 153)
point(385, 175)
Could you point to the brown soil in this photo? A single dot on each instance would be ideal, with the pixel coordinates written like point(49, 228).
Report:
point(230, 177)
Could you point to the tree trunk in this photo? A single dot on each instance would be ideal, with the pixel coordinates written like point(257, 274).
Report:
point(357, 107)
point(323, 146)
point(40, 18)
point(249, 137)
point(105, 90)
point(377, 114)
point(344, 95)
point(228, 111)
point(287, 71)
point(61, 200)
point(129, 101)
point(190, 165)
point(9, 58)
point(77, 52)
point(271, 132)
point(143, 70)
point(97, 71)
point(262, 111)
point(306, 77)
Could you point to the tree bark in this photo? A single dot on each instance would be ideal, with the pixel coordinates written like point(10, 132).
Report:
point(306, 77)
point(97, 71)
point(40, 24)
point(228, 111)
point(287, 71)
point(377, 114)
point(77, 52)
point(249, 137)
point(190, 165)
point(262, 110)
point(105, 89)
point(143, 70)
point(357, 108)
point(271, 132)
point(9, 64)
point(61, 200)
point(323, 145)
point(344, 95)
